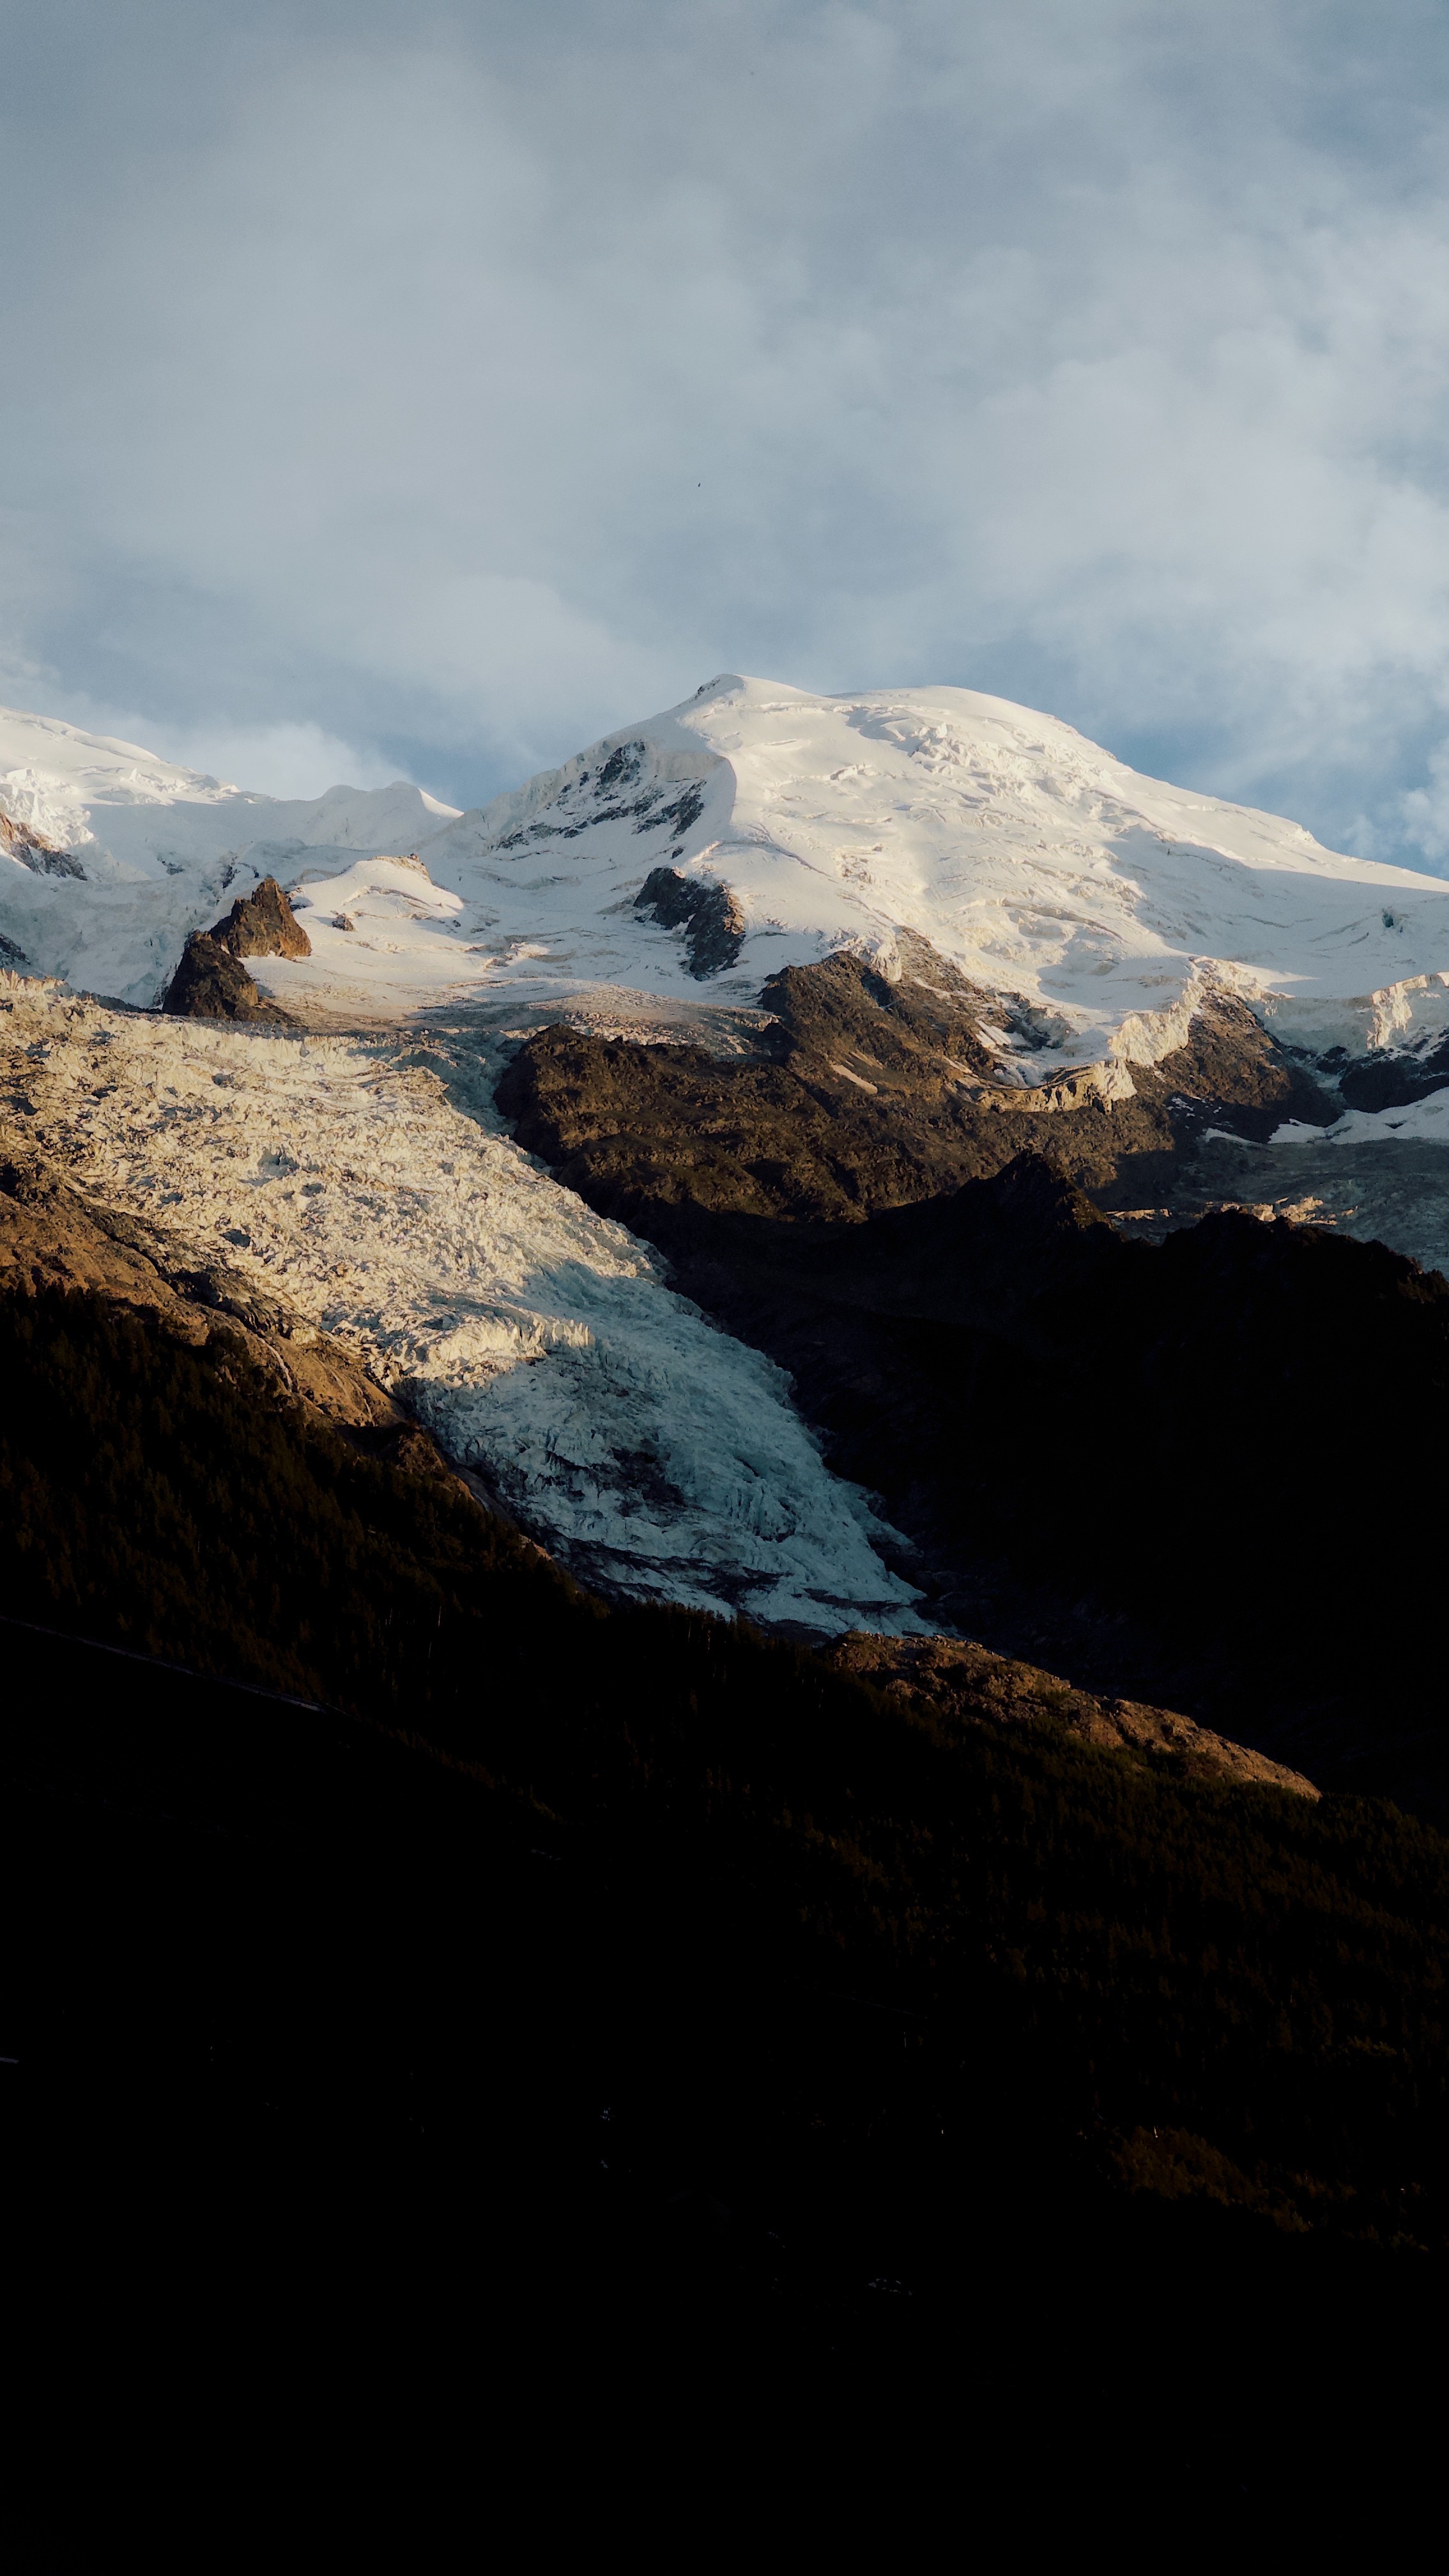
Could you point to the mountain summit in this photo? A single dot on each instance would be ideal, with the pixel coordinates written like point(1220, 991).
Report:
point(1027, 856)
point(753, 827)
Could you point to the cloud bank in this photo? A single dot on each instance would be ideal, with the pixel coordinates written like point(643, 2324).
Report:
point(430, 389)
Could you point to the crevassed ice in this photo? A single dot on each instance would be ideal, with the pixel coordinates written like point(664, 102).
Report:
point(537, 1340)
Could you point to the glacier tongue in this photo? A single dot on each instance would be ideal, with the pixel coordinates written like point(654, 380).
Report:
point(647, 1449)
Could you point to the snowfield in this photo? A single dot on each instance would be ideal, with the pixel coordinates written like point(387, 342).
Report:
point(1034, 860)
point(538, 1341)
point(1424, 1121)
point(112, 855)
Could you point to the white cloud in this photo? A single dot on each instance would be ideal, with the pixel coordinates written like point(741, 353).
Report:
point(1426, 809)
point(475, 385)
point(273, 760)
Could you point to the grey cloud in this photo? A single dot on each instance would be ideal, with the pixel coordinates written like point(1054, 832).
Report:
point(453, 384)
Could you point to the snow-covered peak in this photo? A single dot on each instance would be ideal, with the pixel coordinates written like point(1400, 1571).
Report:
point(87, 790)
point(1026, 854)
point(52, 773)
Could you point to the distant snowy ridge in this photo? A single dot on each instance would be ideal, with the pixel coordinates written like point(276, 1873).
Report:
point(154, 849)
point(1108, 903)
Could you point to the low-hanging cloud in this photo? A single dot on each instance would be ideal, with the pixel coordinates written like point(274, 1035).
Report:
point(438, 388)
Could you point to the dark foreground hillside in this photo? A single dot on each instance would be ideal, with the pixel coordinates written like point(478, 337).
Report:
point(626, 1969)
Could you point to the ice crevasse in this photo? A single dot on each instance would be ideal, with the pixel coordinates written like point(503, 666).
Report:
point(650, 1451)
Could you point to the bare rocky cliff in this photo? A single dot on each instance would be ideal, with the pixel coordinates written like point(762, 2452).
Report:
point(53, 1237)
point(211, 983)
point(868, 1094)
point(1133, 1462)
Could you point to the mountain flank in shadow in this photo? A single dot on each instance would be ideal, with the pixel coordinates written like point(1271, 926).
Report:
point(1144, 1466)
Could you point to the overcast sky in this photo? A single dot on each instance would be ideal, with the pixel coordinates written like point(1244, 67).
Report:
point(390, 387)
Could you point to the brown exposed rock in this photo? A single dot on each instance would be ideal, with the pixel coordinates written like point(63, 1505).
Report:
point(872, 1095)
point(44, 858)
point(1176, 2164)
point(1231, 1073)
point(1390, 1079)
point(211, 984)
point(262, 924)
point(967, 1683)
point(51, 1237)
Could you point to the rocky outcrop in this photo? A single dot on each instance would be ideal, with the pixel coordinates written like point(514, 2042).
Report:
point(1230, 1073)
point(965, 1684)
point(1391, 1079)
point(710, 916)
point(211, 984)
point(51, 1237)
point(869, 1094)
point(43, 858)
point(262, 924)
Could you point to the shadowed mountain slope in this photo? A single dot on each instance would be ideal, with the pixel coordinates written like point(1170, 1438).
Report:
point(1039, 1909)
point(1140, 1464)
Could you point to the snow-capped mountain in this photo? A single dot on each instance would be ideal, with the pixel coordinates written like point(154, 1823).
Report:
point(1030, 858)
point(677, 863)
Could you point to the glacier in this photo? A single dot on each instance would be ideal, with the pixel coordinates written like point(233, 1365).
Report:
point(348, 1166)
point(649, 1451)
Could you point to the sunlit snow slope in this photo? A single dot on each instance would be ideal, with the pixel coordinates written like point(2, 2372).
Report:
point(109, 856)
point(1037, 862)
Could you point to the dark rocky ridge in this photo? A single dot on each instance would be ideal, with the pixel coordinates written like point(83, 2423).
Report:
point(53, 1238)
point(873, 1095)
point(1136, 1464)
point(1393, 1077)
point(1140, 1465)
point(968, 1683)
point(211, 984)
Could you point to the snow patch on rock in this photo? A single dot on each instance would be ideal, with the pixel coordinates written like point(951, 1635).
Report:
point(1424, 1121)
